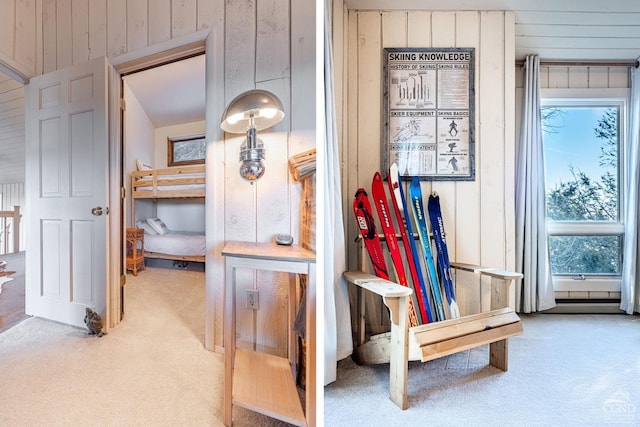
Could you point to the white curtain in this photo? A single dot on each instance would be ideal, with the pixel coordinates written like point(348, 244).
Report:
point(337, 317)
point(630, 290)
point(532, 249)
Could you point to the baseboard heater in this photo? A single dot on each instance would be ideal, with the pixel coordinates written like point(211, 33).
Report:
point(587, 300)
point(587, 306)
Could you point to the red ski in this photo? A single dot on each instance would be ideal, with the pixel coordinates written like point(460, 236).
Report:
point(380, 200)
point(419, 287)
point(362, 210)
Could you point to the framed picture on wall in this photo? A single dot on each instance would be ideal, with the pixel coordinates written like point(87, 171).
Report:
point(186, 150)
point(428, 115)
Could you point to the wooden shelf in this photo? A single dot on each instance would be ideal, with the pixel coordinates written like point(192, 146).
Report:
point(259, 381)
point(268, 252)
point(263, 383)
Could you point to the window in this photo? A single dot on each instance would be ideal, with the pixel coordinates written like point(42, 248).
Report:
point(583, 140)
point(186, 150)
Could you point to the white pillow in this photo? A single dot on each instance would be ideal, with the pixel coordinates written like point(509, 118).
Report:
point(146, 227)
point(158, 226)
point(143, 166)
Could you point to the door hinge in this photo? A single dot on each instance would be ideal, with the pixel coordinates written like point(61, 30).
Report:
point(123, 104)
point(123, 193)
point(123, 281)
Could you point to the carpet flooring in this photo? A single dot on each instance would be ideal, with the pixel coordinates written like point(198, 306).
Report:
point(565, 370)
point(151, 370)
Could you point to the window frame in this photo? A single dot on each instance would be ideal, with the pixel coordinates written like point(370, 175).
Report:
point(583, 97)
point(185, 139)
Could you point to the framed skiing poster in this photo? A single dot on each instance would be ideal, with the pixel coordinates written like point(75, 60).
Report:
point(429, 113)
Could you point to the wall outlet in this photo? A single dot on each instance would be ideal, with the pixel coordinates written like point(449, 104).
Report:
point(252, 299)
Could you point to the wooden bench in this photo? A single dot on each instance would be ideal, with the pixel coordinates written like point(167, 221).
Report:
point(437, 339)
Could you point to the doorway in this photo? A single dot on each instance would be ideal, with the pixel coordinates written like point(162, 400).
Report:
point(162, 104)
point(12, 200)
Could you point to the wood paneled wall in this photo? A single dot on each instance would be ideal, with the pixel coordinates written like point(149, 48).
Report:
point(479, 216)
point(74, 31)
point(268, 44)
point(18, 24)
point(12, 132)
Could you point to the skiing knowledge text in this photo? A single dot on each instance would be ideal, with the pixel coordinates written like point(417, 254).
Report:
point(430, 56)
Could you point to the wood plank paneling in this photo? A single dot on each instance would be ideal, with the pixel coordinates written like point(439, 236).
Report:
point(137, 24)
point(239, 27)
point(64, 36)
point(7, 29)
point(478, 215)
point(49, 45)
point(509, 148)
point(72, 31)
point(97, 28)
point(302, 106)
point(183, 17)
point(240, 204)
point(350, 144)
point(160, 21)
point(443, 34)
point(80, 31)
point(273, 213)
point(12, 132)
point(25, 34)
point(369, 98)
point(207, 14)
point(116, 27)
point(466, 214)
point(491, 145)
point(272, 30)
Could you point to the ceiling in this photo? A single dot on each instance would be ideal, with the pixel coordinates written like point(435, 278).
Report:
point(171, 94)
point(590, 30)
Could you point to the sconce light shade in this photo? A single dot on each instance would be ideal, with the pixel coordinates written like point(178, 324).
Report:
point(263, 107)
point(250, 112)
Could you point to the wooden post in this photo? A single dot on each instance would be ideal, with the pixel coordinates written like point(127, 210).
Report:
point(16, 228)
point(499, 354)
point(399, 349)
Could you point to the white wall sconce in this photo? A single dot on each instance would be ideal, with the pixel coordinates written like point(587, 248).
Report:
point(250, 112)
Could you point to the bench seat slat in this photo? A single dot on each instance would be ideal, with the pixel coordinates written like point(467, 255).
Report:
point(465, 342)
point(447, 329)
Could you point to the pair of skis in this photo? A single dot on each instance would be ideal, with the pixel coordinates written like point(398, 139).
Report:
point(366, 224)
point(362, 210)
point(437, 227)
point(423, 232)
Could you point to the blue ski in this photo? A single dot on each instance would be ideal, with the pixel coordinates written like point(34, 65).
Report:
point(437, 226)
point(418, 212)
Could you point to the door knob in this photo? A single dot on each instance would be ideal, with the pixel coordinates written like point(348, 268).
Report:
point(97, 211)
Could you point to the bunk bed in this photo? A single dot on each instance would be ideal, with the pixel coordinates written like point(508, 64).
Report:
point(185, 182)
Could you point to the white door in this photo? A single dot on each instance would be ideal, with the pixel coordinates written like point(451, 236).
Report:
point(67, 193)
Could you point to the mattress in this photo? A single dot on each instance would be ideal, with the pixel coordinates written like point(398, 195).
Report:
point(182, 243)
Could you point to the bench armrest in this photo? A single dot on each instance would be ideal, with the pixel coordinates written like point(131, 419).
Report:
point(501, 281)
point(375, 284)
point(493, 272)
point(394, 296)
